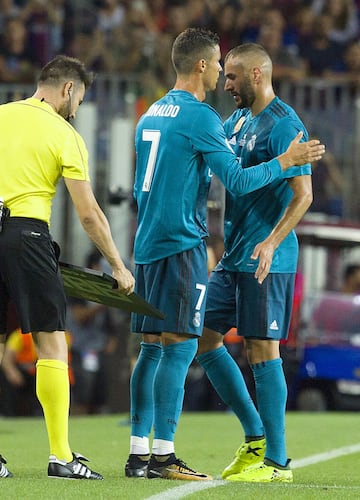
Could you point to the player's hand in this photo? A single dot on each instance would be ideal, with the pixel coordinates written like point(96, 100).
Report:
point(263, 251)
point(299, 153)
point(125, 280)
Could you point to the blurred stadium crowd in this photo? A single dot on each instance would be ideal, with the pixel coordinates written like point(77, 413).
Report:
point(314, 46)
point(305, 38)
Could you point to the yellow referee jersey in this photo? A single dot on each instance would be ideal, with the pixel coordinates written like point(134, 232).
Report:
point(37, 147)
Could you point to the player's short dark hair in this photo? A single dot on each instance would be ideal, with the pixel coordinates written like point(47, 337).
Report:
point(64, 68)
point(248, 49)
point(190, 46)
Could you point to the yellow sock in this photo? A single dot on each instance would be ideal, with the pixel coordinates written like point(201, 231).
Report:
point(53, 392)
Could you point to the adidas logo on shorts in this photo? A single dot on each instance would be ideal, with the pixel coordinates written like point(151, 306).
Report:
point(274, 325)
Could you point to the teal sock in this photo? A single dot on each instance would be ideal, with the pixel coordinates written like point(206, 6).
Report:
point(228, 381)
point(271, 394)
point(169, 387)
point(141, 389)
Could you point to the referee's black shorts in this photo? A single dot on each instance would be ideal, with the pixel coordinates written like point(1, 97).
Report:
point(30, 276)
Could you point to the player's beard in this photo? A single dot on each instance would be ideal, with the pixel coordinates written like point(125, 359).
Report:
point(65, 110)
point(246, 94)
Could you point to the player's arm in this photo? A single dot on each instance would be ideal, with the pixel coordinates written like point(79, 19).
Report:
point(302, 199)
point(209, 138)
point(97, 227)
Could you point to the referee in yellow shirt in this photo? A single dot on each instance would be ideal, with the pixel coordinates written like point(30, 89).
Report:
point(37, 147)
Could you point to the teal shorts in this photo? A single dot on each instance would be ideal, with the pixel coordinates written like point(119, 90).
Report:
point(258, 311)
point(177, 286)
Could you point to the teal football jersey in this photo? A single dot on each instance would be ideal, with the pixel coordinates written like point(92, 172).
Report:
point(179, 143)
point(249, 219)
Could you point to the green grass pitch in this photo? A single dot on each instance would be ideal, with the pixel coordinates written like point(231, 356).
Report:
point(206, 441)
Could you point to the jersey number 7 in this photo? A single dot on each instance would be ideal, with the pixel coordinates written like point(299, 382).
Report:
point(152, 136)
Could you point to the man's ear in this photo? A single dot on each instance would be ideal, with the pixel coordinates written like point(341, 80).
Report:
point(68, 88)
point(257, 74)
point(201, 65)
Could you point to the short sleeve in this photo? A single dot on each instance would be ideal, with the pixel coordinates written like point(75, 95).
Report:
point(75, 157)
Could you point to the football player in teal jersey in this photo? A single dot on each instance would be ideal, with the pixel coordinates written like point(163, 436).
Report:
point(179, 142)
point(252, 286)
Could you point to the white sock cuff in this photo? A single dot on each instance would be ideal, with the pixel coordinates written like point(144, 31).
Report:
point(162, 447)
point(139, 445)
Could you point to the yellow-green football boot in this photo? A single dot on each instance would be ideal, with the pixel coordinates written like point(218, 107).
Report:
point(250, 453)
point(263, 473)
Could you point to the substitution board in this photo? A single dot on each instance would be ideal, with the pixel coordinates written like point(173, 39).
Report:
point(97, 286)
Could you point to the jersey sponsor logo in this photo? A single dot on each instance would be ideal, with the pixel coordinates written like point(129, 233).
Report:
point(274, 325)
point(164, 110)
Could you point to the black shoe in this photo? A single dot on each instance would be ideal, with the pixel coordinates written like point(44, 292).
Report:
point(170, 467)
point(71, 470)
point(4, 472)
point(136, 465)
